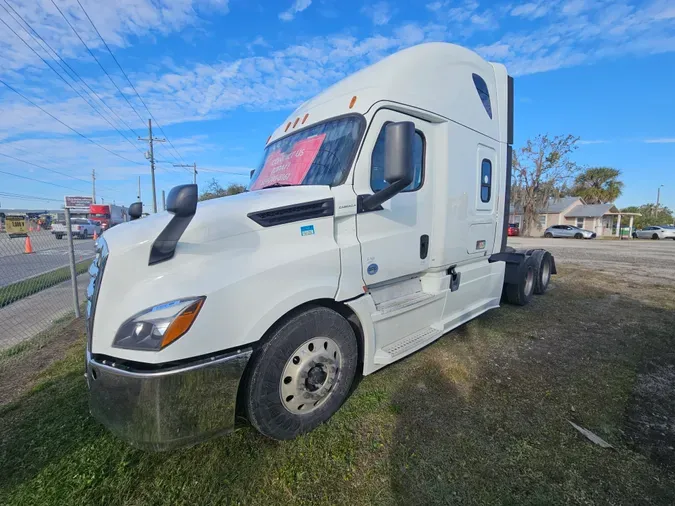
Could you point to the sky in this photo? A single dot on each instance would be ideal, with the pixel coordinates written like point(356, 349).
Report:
point(80, 80)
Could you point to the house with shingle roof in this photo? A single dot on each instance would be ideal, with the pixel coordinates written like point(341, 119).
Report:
point(603, 219)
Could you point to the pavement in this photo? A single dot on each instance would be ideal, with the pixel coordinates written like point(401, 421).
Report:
point(49, 254)
point(638, 260)
point(28, 317)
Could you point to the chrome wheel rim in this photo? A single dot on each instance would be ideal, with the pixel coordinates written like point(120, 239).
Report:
point(545, 273)
point(529, 282)
point(310, 375)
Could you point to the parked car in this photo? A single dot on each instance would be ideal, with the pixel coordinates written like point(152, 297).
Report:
point(569, 231)
point(80, 228)
point(662, 232)
point(514, 229)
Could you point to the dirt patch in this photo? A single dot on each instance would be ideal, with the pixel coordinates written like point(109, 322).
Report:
point(650, 419)
point(20, 371)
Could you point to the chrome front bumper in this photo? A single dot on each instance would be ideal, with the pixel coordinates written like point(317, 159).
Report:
point(166, 408)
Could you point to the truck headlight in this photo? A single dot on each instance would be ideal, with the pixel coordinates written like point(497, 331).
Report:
point(158, 326)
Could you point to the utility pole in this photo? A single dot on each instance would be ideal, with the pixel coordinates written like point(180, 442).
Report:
point(93, 185)
point(151, 156)
point(187, 166)
point(163, 201)
point(139, 189)
point(658, 196)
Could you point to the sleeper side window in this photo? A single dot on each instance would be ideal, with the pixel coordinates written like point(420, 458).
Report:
point(377, 181)
point(485, 180)
point(483, 93)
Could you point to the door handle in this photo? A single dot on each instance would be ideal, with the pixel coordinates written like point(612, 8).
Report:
point(424, 246)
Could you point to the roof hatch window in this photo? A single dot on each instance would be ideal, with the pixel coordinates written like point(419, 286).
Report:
point(483, 93)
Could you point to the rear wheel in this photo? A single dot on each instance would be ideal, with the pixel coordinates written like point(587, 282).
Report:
point(548, 235)
point(302, 374)
point(520, 293)
point(59, 236)
point(84, 235)
point(655, 237)
point(543, 265)
point(578, 236)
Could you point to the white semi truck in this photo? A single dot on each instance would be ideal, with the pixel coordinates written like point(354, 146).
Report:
point(375, 223)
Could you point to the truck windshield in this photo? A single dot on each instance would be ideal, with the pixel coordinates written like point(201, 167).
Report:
point(319, 155)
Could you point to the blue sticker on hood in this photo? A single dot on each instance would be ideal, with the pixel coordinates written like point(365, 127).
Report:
point(372, 269)
point(307, 230)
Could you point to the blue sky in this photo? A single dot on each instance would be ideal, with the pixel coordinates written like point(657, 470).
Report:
point(220, 75)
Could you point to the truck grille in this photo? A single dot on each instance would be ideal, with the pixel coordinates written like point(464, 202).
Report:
point(95, 275)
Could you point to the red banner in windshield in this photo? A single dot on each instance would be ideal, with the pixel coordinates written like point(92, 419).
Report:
point(291, 167)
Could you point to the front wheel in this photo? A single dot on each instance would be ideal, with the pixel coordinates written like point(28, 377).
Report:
point(578, 236)
point(548, 235)
point(655, 237)
point(302, 374)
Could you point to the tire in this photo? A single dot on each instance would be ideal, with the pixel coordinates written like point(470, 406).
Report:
point(635, 235)
point(59, 236)
point(578, 236)
point(521, 293)
point(543, 266)
point(655, 237)
point(84, 235)
point(295, 362)
point(548, 235)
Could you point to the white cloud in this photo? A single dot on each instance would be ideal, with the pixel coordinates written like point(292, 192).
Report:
point(662, 140)
point(531, 10)
point(584, 142)
point(498, 50)
point(297, 6)
point(379, 13)
point(116, 21)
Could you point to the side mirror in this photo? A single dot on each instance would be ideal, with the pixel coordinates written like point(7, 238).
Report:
point(399, 162)
point(136, 210)
point(182, 200)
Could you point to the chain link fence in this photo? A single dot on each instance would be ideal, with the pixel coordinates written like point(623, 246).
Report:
point(36, 284)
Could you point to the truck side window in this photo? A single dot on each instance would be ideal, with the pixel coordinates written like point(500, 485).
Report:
point(377, 181)
point(485, 180)
point(483, 93)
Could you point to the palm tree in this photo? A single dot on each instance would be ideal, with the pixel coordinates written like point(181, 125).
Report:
point(598, 185)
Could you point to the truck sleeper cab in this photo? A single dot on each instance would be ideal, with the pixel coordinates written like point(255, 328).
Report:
point(375, 223)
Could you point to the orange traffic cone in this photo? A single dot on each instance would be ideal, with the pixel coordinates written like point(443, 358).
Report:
point(29, 247)
point(95, 236)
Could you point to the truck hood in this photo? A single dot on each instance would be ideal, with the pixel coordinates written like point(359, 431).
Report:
point(215, 219)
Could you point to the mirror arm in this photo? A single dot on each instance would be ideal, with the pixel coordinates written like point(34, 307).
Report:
point(372, 202)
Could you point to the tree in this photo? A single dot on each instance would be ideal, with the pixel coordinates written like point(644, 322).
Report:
point(650, 215)
point(214, 190)
point(598, 185)
point(541, 170)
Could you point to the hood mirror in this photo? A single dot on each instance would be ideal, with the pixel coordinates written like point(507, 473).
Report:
point(182, 200)
point(136, 210)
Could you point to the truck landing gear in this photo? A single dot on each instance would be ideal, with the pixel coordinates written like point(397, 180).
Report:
point(302, 373)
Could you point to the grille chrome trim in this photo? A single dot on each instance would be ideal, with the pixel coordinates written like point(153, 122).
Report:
point(95, 275)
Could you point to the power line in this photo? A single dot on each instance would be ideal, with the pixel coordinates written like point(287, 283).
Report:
point(72, 71)
point(128, 80)
point(96, 59)
point(58, 74)
point(39, 181)
point(67, 126)
point(56, 172)
point(19, 196)
point(223, 171)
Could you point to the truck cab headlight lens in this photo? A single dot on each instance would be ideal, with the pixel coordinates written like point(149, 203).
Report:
point(158, 326)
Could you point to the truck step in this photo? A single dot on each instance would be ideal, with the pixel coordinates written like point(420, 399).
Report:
point(401, 304)
point(407, 345)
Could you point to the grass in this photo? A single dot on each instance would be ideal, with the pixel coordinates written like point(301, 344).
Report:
point(479, 417)
point(17, 291)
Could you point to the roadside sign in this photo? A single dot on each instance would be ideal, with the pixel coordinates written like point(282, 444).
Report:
point(78, 204)
point(15, 226)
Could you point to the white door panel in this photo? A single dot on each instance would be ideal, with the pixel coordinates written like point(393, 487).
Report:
point(391, 237)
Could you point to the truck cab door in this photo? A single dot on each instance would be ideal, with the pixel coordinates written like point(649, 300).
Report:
point(394, 239)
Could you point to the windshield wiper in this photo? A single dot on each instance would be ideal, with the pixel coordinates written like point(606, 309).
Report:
point(276, 185)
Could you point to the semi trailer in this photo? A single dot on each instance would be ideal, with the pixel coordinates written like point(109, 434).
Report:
point(375, 223)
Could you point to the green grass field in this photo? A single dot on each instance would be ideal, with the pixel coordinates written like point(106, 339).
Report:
point(479, 417)
point(17, 291)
